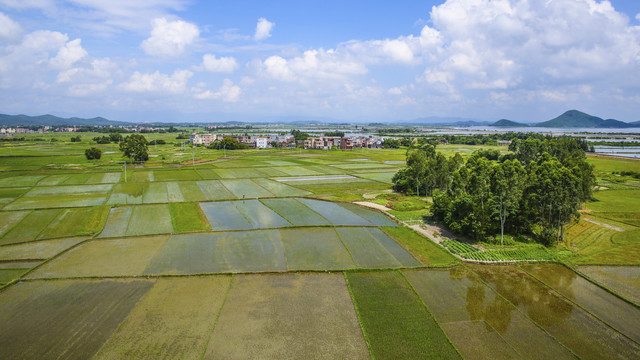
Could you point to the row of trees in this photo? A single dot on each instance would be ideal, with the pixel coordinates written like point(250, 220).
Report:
point(536, 190)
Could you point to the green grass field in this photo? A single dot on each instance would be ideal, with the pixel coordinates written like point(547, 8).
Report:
point(395, 321)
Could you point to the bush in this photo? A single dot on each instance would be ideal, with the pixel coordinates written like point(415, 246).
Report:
point(93, 153)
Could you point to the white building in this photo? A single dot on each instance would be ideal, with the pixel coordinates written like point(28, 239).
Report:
point(262, 142)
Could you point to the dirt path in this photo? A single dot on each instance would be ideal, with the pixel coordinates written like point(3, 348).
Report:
point(611, 227)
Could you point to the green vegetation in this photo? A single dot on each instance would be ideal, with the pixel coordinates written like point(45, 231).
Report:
point(395, 321)
point(422, 248)
point(187, 217)
point(469, 252)
point(135, 147)
point(93, 153)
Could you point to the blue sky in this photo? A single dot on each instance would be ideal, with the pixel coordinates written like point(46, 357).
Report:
point(178, 60)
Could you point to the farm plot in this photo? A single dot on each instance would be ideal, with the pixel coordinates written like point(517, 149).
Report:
point(621, 279)
point(315, 249)
point(270, 171)
point(357, 166)
point(62, 196)
point(208, 174)
point(24, 180)
point(30, 226)
point(295, 212)
point(214, 190)
point(113, 257)
point(260, 216)
point(242, 251)
point(279, 189)
point(39, 250)
point(141, 176)
point(238, 173)
point(53, 180)
point(127, 193)
point(298, 171)
point(225, 216)
point(150, 219)
point(77, 221)
point(287, 316)
point(245, 188)
point(172, 321)
point(481, 324)
point(155, 193)
point(618, 313)
point(10, 219)
point(397, 251)
point(384, 177)
point(8, 275)
point(366, 251)
point(64, 319)
point(395, 322)
point(335, 213)
point(174, 194)
point(576, 329)
point(117, 222)
point(191, 191)
point(176, 175)
point(76, 179)
point(187, 217)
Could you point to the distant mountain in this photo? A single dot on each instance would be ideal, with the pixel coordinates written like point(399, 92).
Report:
point(578, 119)
point(443, 120)
point(51, 120)
point(508, 123)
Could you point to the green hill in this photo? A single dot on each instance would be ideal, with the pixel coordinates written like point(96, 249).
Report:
point(578, 119)
point(508, 123)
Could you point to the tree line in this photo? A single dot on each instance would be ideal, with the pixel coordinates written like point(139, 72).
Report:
point(535, 190)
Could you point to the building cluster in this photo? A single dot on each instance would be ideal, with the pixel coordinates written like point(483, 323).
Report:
point(254, 141)
point(343, 143)
point(9, 132)
point(288, 140)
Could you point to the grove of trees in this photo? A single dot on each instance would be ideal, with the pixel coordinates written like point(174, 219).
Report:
point(534, 191)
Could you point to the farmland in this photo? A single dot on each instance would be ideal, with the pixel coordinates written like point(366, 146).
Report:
point(263, 255)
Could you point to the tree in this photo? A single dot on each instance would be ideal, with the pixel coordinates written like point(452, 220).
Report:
point(136, 147)
point(507, 186)
point(115, 137)
point(228, 143)
point(76, 139)
point(93, 153)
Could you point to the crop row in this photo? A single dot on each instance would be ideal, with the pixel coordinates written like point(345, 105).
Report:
point(458, 247)
point(469, 252)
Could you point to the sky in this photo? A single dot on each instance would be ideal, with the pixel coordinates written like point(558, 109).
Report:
point(356, 61)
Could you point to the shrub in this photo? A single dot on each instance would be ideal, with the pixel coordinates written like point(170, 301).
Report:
point(93, 153)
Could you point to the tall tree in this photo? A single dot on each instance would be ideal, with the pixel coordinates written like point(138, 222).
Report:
point(507, 185)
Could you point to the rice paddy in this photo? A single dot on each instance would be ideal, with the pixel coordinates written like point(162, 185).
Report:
point(244, 257)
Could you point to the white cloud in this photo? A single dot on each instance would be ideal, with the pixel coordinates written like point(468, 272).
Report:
point(26, 63)
point(505, 44)
point(28, 4)
point(9, 29)
point(170, 38)
point(228, 92)
point(69, 54)
point(223, 64)
point(313, 64)
point(158, 82)
point(263, 29)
